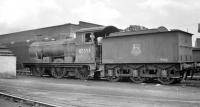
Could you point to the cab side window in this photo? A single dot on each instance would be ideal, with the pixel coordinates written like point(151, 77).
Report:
point(87, 37)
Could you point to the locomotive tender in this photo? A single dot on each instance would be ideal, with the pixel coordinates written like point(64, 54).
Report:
point(105, 52)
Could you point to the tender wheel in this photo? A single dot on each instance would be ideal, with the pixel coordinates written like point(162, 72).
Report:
point(58, 72)
point(83, 73)
point(114, 75)
point(136, 78)
point(37, 71)
point(166, 77)
point(166, 80)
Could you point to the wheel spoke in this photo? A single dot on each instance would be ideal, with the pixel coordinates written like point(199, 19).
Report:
point(38, 71)
point(166, 81)
point(165, 77)
point(113, 79)
point(84, 74)
point(136, 78)
point(58, 72)
point(115, 75)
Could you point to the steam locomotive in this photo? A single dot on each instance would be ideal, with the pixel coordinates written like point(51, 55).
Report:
point(107, 52)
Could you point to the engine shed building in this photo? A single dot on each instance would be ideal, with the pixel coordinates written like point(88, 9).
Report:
point(19, 42)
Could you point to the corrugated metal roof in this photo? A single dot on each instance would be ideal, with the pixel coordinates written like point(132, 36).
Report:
point(4, 51)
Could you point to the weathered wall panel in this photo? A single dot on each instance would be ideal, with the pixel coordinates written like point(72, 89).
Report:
point(8, 66)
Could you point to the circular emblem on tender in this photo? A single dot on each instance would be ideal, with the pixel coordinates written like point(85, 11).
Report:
point(136, 50)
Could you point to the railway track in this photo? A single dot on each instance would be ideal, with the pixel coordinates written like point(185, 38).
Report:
point(74, 93)
point(190, 81)
point(24, 101)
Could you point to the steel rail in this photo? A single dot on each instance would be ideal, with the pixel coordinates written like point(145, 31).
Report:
point(25, 101)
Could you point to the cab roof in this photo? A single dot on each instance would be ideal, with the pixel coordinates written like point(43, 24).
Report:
point(96, 29)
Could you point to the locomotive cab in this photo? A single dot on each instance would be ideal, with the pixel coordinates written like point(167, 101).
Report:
point(89, 48)
point(88, 42)
point(91, 35)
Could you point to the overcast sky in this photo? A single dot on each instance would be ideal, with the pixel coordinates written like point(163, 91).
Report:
point(19, 15)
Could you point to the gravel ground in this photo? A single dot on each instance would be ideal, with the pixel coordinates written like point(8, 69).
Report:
point(7, 103)
point(78, 93)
